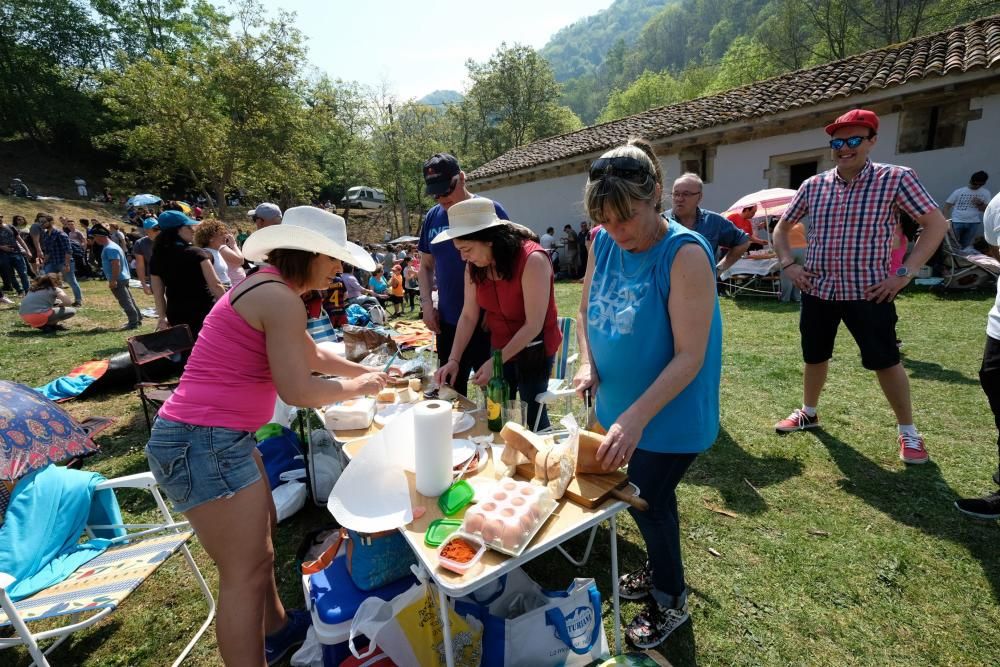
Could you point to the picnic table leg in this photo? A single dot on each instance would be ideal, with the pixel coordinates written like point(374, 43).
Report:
point(449, 656)
point(614, 585)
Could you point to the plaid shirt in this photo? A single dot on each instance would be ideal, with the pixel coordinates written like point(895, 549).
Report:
point(55, 245)
point(849, 236)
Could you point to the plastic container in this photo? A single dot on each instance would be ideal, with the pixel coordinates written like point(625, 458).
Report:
point(355, 413)
point(510, 515)
point(455, 566)
point(456, 497)
point(439, 530)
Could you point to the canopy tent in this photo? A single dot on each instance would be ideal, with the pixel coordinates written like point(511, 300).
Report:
point(404, 239)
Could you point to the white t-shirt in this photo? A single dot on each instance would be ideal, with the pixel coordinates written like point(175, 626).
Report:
point(991, 230)
point(547, 241)
point(963, 204)
point(220, 266)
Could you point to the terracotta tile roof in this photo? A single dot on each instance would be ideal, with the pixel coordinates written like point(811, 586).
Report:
point(975, 45)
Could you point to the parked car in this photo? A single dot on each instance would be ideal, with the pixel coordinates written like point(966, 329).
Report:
point(361, 196)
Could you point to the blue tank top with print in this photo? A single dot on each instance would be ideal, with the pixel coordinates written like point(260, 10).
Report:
point(631, 341)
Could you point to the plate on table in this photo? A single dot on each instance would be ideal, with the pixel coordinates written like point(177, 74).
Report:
point(461, 451)
point(477, 465)
point(461, 421)
point(386, 412)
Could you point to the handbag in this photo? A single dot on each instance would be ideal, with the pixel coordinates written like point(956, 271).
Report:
point(408, 629)
point(373, 559)
point(524, 624)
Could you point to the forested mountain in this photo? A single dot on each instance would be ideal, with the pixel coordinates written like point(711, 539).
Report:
point(441, 97)
point(688, 48)
point(580, 47)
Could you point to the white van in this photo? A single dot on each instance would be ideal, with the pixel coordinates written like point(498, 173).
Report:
point(361, 196)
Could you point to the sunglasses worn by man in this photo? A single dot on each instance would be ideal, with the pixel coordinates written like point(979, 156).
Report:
point(620, 167)
point(850, 142)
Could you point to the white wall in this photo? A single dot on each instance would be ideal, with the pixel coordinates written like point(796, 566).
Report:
point(739, 169)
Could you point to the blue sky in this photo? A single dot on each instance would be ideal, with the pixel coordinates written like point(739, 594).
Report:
point(416, 47)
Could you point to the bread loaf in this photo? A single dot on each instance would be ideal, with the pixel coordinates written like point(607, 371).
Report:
point(586, 460)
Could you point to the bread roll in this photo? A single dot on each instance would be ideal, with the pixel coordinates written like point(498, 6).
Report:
point(414, 384)
point(387, 396)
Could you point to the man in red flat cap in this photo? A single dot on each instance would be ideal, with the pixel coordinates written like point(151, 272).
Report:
point(853, 210)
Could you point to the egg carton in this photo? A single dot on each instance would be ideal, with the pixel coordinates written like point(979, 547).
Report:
point(509, 515)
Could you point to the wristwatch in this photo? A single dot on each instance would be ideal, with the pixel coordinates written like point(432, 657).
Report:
point(904, 272)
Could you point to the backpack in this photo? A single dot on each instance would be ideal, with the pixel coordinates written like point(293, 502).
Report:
point(378, 315)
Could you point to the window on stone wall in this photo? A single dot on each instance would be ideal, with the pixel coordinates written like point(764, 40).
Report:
point(929, 128)
point(699, 160)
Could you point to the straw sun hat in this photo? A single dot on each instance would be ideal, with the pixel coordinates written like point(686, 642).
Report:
point(468, 217)
point(311, 229)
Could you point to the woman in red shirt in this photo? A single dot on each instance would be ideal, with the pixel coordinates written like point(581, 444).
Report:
point(509, 276)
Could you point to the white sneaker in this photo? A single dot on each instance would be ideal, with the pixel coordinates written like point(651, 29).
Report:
point(4, 300)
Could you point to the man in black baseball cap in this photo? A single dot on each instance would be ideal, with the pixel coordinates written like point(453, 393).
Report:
point(445, 182)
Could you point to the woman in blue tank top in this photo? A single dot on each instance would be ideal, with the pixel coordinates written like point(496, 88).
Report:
point(652, 354)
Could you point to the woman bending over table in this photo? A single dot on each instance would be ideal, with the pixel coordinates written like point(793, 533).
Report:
point(202, 449)
point(510, 277)
point(651, 349)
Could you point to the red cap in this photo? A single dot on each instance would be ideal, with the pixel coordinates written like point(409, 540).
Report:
point(862, 117)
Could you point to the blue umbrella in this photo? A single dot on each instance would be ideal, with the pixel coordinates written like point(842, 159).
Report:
point(35, 432)
point(143, 200)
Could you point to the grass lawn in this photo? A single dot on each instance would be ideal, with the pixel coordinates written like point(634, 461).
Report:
point(829, 550)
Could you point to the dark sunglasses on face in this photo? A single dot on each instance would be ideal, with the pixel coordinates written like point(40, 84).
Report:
point(451, 188)
point(850, 142)
point(620, 167)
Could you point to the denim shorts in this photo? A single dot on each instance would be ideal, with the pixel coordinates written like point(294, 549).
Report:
point(196, 464)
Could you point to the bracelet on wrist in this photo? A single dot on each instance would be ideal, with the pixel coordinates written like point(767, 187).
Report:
point(785, 266)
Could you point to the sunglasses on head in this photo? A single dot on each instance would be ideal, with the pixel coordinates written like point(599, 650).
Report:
point(619, 167)
point(451, 188)
point(850, 142)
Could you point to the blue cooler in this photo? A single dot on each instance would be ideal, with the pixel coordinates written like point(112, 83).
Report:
point(333, 600)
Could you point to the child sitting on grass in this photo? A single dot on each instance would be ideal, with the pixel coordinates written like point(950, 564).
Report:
point(46, 305)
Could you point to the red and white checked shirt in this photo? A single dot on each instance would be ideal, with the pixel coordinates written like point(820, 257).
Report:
point(851, 224)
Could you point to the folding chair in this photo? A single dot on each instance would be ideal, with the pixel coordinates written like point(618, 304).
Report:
point(560, 384)
point(750, 275)
point(154, 347)
point(100, 585)
point(965, 269)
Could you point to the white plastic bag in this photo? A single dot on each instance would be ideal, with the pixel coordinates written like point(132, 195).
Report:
point(289, 498)
point(310, 654)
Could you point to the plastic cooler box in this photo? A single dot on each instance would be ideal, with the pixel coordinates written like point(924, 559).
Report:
point(333, 600)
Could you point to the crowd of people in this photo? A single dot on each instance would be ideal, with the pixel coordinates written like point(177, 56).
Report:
point(486, 283)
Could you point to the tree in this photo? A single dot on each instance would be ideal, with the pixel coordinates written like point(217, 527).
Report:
point(746, 61)
point(226, 116)
point(649, 91)
point(513, 100)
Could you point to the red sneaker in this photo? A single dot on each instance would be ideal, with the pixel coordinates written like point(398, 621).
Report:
point(797, 421)
point(911, 449)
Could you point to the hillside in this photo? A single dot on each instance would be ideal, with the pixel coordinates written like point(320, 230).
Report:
point(442, 97)
point(46, 172)
point(580, 47)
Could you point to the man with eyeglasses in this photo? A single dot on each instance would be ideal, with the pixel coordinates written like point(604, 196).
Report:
point(445, 182)
point(265, 215)
point(687, 195)
point(853, 211)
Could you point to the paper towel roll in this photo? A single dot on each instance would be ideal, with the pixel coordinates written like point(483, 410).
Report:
point(432, 446)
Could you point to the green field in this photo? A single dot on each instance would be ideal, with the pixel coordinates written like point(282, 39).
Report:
point(830, 550)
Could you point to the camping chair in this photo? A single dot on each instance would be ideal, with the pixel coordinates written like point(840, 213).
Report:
point(100, 585)
point(750, 275)
point(560, 385)
point(965, 269)
point(150, 348)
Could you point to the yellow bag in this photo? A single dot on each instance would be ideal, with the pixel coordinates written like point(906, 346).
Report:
point(408, 629)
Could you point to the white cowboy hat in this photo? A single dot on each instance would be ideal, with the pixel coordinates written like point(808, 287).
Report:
point(312, 229)
point(468, 217)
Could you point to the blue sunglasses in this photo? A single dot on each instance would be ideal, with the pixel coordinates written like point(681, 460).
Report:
point(850, 142)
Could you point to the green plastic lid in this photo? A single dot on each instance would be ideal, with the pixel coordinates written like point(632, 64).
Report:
point(439, 530)
point(456, 497)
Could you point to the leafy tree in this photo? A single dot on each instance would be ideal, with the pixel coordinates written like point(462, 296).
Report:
point(227, 116)
point(513, 100)
point(650, 90)
point(745, 62)
point(136, 28)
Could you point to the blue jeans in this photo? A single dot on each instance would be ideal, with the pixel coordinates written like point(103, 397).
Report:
point(527, 388)
point(68, 276)
point(966, 232)
point(21, 269)
point(657, 476)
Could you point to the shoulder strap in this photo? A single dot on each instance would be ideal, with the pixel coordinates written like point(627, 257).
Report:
point(239, 296)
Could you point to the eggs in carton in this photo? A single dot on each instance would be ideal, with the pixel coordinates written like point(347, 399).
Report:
point(511, 514)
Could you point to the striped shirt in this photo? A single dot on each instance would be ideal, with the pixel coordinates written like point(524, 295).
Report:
point(852, 223)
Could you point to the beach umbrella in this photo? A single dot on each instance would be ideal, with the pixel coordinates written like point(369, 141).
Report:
point(185, 207)
point(35, 432)
point(765, 200)
point(143, 200)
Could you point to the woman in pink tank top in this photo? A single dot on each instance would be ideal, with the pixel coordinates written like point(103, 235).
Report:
point(509, 276)
point(252, 348)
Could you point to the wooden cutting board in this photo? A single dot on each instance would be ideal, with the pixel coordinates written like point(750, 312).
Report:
point(590, 491)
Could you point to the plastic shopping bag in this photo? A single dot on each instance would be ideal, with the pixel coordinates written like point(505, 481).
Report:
point(408, 629)
point(526, 625)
